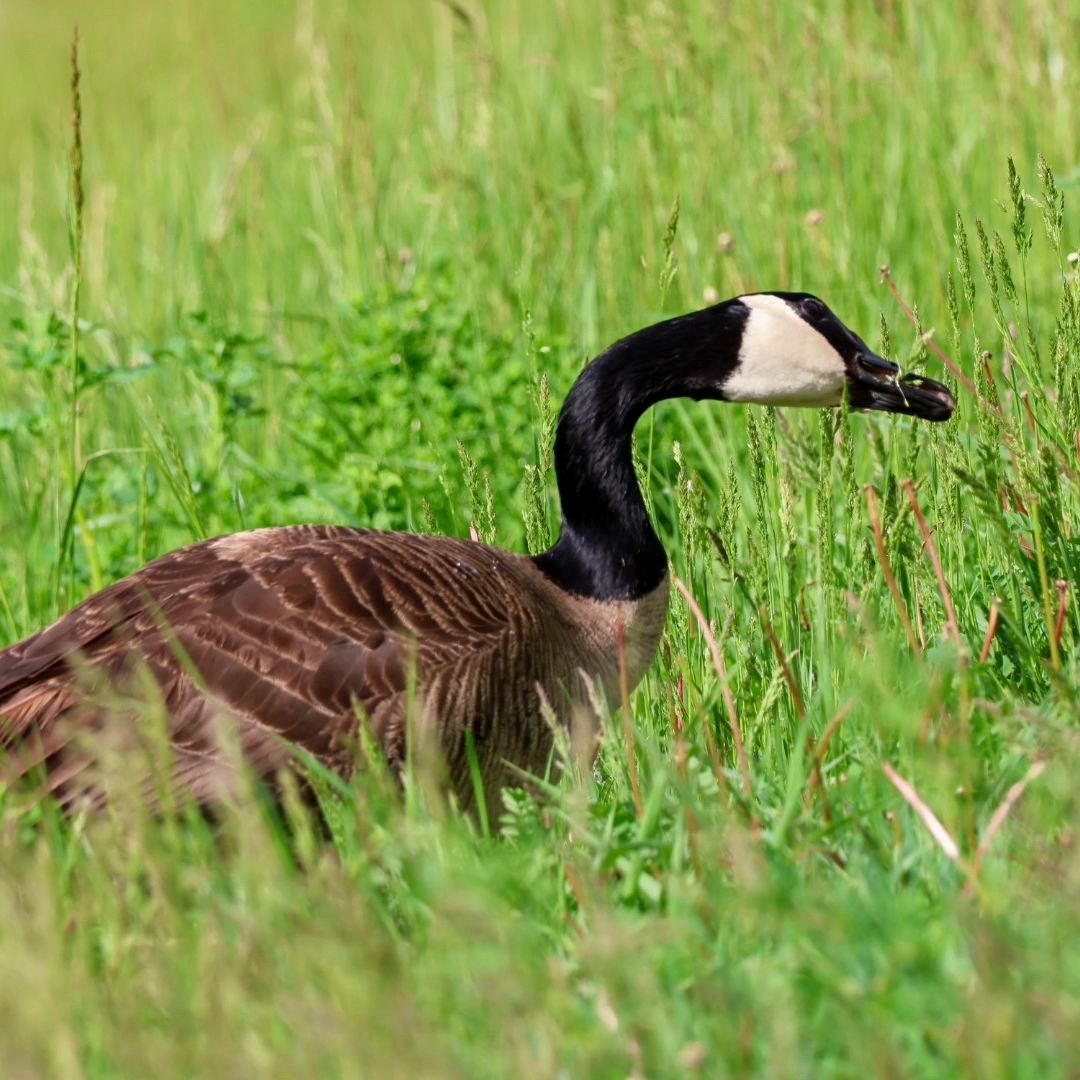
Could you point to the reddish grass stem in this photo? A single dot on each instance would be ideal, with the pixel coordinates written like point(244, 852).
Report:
point(933, 346)
point(951, 625)
point(831, 730)
point(886, 567)
point(800, 710)
point(789, 677)
point(997, 819)
point(725, 689)
point(818, 757)
point(991, 629)
point(941, 835)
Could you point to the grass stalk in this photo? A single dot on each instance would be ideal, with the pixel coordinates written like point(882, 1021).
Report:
point(951, 626)
point(886, 568)
point(1044, 581)
point(933, 824)
point(932, 345)
point(785, 667)
point(991, 629)
point(725, 687)
point(997, 819)
point(1063, 600)
point(77, 200)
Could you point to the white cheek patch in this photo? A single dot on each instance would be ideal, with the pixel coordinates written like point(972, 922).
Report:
point(783, 360)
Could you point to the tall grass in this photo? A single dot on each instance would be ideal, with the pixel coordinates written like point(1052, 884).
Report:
point(339, 262)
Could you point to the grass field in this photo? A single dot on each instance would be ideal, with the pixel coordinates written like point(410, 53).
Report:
point(322, 243)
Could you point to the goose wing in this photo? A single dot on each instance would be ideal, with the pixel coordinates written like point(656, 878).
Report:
point(290, 631)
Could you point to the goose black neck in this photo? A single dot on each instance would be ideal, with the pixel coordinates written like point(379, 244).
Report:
point(608, 548)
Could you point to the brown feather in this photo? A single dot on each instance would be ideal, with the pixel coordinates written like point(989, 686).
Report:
point(293, 634)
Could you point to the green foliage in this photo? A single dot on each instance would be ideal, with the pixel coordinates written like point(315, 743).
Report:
point(342, 264)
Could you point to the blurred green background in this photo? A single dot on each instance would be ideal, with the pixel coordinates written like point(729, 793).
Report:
point(256, 159)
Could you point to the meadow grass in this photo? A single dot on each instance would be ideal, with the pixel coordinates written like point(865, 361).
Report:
point(339, 262)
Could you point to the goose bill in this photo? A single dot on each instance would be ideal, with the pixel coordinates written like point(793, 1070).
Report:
point(874, 385)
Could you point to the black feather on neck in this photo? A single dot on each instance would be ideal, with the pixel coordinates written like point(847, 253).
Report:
point(608, 548)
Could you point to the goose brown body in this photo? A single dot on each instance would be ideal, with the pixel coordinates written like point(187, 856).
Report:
point(299, 634)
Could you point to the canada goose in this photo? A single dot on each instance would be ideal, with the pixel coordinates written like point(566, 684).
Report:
point(297, 632)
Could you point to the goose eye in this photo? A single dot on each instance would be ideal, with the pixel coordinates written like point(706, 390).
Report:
point(813, 307)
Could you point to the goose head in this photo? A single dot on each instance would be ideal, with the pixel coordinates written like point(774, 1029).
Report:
point(795, 351)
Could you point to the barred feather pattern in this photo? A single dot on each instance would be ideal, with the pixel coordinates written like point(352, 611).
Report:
point(292, 637)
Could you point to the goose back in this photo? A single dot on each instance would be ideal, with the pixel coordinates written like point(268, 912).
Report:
point(294, 634)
